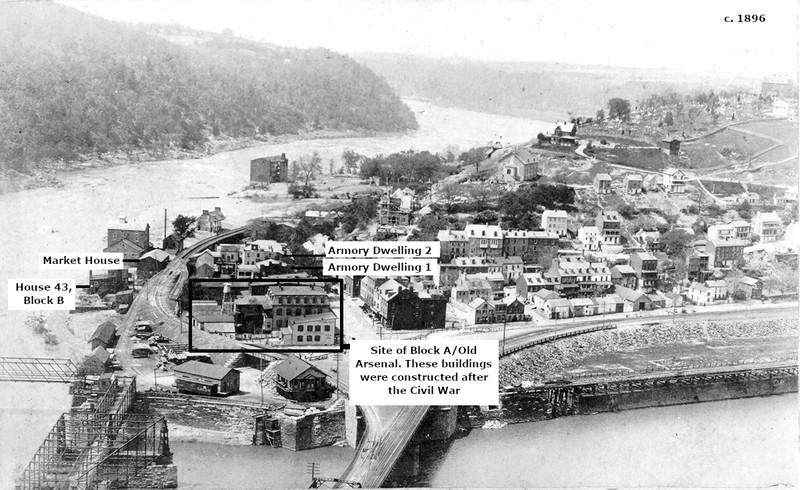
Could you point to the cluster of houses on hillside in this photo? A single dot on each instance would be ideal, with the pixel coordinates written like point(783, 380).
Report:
point(493, 275)
point(400, 303)
point(250, 260)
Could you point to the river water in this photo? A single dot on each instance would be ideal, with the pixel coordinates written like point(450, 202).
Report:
point(74, 218)
point(738, 443)
point(749, 442)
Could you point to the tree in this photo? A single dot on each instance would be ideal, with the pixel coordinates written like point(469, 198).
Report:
point(449, 191)
point(301, 191)
point(306, 168)
point(628, 212)
point(331, 166)
point(668, 119)
point(520, 208)
point(481, 192)
point(473, 156)
point(352, 160)
point(487, 217)
point(700, 227)
point(744, 209)
point(676, 242)
point(600, 116)
point(184, 226)
point(619, 108)
point(541, 138)
point(360, 212)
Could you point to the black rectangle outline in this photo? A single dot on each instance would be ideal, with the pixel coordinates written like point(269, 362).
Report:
point(338, 281)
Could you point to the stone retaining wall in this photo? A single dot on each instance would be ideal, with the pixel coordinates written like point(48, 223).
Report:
point(155, 476)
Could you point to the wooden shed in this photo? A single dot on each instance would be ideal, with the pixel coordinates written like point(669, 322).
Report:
point(104, 336)
point(206, 379)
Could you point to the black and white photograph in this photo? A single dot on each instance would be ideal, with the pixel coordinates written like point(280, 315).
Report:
point(280, 244)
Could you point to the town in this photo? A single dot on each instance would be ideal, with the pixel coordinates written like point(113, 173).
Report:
point(601, 222)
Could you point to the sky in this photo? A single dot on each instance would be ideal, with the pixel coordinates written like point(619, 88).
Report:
point(688, 35)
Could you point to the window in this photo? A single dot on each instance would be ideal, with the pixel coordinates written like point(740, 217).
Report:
point(309, 310)
point(280, 301)
point(316, 338)
point(308, 338)
point(327, 328)
point(299, 328)
point(314, 300)
point(299, 338)
point(298, 312)
point(279, 311)
point(305, 300)
point(288, 311)
point(317, 328)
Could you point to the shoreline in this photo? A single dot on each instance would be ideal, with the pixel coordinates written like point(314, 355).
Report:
point(49, 175)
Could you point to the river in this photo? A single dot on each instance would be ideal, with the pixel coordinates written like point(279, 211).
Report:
point(737, 443)
point(750, 442)
point(74, 218)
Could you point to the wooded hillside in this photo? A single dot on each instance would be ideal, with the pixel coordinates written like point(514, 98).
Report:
point(73, 84)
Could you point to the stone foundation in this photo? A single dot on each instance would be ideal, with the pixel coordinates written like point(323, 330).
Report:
point(155, 476)
point(313, 430)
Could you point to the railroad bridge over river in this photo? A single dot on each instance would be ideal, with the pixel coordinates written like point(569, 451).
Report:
point(390, 431)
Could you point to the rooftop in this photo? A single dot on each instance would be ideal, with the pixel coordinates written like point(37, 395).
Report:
point(203, 369)
point(292, 367)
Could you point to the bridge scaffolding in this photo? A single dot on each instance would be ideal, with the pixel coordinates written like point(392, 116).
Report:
point(98, 442)
point(37, 370)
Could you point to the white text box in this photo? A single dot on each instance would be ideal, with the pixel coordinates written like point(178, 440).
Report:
point(41, 294)
point(425, 372)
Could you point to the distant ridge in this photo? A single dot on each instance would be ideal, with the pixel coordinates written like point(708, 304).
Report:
point(530, 89)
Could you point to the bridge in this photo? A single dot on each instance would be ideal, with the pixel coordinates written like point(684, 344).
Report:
point(599, 393)
point(37, 370)
point(389, 429)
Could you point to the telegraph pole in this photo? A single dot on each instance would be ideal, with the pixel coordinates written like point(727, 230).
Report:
point(261, 379)
point(505, 322)
point(338, 357)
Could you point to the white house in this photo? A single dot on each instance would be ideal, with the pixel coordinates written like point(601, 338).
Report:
point(589, 236)
point(555, 221)
point(674, 181)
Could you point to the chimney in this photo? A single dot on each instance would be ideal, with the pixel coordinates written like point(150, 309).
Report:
point(205, 212)
point(217, 208)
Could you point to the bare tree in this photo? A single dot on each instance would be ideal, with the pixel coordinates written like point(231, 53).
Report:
point(306, 168)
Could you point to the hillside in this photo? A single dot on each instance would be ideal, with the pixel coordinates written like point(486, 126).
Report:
point(74, 85)
point(538, 90)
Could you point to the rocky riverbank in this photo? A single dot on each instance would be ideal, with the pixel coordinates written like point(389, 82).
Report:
point(552, 359)
point(50, 174)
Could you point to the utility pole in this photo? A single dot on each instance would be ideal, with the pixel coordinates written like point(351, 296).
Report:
point(312, 469)
point(505, 322)
point(165, 227)
point(261, 378)
point(338, 357)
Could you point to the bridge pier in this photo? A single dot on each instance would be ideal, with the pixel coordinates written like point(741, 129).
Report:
point(439, 425)
point(354, 424)
point(407, 465)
